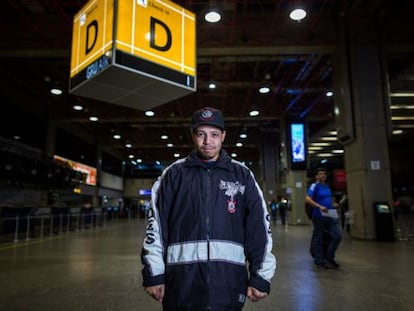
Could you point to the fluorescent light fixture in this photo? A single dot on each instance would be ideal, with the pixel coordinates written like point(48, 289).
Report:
point(315, 148)
point(397, 132)
point(328, 138)
point(401, 94)
point(327, 154)
point(394, 118)
point(320, 144)
point(402, 106)
point(338, 151)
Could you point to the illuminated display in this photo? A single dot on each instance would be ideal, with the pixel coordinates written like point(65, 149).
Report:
point(297, 146)
point(88, 171)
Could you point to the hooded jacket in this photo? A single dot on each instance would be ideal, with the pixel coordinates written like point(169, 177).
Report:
point(208, 235)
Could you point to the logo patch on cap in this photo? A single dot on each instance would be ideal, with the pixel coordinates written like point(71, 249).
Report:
point(207, 114)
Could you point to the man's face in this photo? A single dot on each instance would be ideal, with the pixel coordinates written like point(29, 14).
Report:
point(208, 141)
point(321, 176)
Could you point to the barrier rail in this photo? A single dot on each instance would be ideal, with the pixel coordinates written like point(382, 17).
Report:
point(17, 228)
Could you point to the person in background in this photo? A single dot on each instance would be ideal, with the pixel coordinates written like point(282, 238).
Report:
point(325, 218)
point(283, 206)
point(208, 241)
point(273, 210)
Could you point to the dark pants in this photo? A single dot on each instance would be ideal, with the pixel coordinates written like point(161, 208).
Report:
point(321, 225)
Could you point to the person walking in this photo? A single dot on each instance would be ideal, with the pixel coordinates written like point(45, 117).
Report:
point(208, 243)
point(325, 219)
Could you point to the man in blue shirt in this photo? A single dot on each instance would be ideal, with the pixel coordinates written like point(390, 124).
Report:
point(325, 219)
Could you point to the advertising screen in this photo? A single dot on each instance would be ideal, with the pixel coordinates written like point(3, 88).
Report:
point(297, 146)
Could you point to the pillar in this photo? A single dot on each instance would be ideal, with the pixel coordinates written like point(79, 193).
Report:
point(362, 119)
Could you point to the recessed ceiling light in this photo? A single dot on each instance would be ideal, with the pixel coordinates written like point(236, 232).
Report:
point(93, 118)
point(77, 107)
point(149, 113)
point(264, 90)
point(297, 14)
point(56, 91)
point(212, 16)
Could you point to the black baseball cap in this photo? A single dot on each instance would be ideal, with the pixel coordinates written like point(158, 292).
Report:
point(208, 116)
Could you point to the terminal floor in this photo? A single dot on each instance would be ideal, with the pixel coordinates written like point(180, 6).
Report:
point(99, 269)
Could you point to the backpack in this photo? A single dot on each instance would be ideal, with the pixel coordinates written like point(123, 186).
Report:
point(309, 208)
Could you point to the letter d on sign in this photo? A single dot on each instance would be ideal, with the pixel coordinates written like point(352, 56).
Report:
point(91, 25)
point(168, 43)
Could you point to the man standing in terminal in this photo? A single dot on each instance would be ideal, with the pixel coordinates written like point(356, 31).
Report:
point(325, 219)
point(208, 244)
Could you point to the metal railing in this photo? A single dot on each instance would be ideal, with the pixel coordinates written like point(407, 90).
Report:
point(26, 227)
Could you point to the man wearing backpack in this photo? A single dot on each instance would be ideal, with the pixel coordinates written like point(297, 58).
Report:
point(325, 219)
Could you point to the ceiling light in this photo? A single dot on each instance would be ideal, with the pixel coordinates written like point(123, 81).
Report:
point(77, 107)
point(264, 90)
point(131, 156)
point(139, 160)
point(329, 93)
point(233, 155)
point(116, 136)
point(212, 85)
point(328, 154)
point(338, 151)
point(315, 148)
point(401, 94)
point(93, 118)
point(16, 137)
point(176, 155)
point(243, 135)
point(320, 144)
point(56, 91)
point(402, 106)
point(212, 16)
point(164, 136)
point(297, 14)
point(328, 138)
point(239, 144)
point(149, 113)
point(397, 132)
point(170, 145)
point(128, 145)
point(254, 112)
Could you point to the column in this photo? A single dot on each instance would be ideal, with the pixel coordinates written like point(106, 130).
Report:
point(362, 119)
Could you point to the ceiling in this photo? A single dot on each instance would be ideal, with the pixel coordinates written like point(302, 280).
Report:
point(255, 41)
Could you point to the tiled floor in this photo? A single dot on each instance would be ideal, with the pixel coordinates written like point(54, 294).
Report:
point(99, 269)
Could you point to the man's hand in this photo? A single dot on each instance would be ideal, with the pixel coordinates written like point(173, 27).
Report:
point(156, 292)
point(255, 295)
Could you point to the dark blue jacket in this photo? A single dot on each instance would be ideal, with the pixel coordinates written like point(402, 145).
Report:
point(206, 227)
